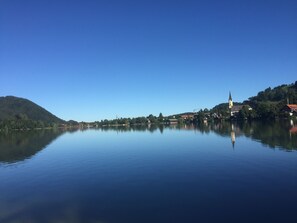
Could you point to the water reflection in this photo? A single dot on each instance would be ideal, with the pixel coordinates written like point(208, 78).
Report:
point(141, 128)
point(20, 145)
point(232, 135)
point(280, 134)
point(293, 129)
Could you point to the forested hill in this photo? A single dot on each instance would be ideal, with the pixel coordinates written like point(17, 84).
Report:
point(283, 93)
point(269, 104)
point(14, 108)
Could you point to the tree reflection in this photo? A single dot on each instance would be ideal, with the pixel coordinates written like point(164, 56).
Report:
point(280, 134)
point(20, 145)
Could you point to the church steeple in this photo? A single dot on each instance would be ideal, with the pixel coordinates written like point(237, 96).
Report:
point(230, 101)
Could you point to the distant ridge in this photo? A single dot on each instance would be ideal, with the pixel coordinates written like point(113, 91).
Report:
point(15, 108)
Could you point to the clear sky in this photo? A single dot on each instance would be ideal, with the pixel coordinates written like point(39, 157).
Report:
point(91, 60)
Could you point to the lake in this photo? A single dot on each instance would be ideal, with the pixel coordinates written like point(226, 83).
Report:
point(219, 172)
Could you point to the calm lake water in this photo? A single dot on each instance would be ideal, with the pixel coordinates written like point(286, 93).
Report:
point(211, 173)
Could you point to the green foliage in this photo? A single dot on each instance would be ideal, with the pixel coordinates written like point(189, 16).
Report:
point(199, 117)
point(152, 119)
point(19, 113)
point(160, 118)
point(24, 124)
point(180, 121)
point(268, 104)
point(277, 94)
point(246, 113)
point(223, 108)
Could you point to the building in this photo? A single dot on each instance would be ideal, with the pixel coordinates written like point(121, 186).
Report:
point(234, 109)
point(291, 109)
point(172, 121)
point(188, 115)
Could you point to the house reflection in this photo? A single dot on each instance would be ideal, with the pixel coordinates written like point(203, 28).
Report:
point(293, 129)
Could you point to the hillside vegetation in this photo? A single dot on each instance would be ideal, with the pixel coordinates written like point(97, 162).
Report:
point(270, 102)
point(267, 104)
point(280, 93)
point(21, 113)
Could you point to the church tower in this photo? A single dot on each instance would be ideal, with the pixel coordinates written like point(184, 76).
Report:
point(230, 101)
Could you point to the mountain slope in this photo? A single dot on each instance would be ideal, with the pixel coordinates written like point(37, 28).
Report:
point(14, 108)
point(283, 93)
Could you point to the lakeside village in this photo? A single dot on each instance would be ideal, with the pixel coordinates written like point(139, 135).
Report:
point(230, 111)
point(279, 103)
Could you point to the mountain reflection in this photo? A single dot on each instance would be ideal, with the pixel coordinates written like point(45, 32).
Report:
point(20, 145)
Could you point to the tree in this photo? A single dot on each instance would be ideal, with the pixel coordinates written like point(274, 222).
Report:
point(199, 117)
point(244, 113)
point(160, 118)
point(152, 118)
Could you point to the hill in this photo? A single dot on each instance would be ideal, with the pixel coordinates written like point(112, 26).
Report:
point(270, 102)
point(223, 107)
point(267, 104)
point(21, 112)
point(283, 93)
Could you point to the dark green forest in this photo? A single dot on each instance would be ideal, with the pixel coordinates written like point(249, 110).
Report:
point(269, 104)
point(20, 113)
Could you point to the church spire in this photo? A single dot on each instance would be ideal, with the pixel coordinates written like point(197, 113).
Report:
point(230, 101)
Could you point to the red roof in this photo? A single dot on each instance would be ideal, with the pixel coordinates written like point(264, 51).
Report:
point(292, 106)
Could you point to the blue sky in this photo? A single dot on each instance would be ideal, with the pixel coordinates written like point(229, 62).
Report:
point(91, 60)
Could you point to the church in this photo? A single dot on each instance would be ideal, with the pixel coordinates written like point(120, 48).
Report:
point(234, 109)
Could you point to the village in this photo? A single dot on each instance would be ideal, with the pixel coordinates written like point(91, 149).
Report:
point(229, 111)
